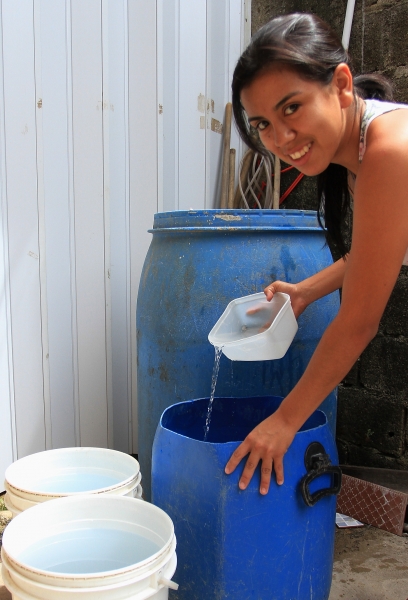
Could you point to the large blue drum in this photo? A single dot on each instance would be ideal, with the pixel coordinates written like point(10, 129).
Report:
point(240, 544)
point(197, 263)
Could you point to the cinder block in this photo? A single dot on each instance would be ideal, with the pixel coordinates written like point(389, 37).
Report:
point(395, 318)
point(353, 376)
point(384, 365)
point(370, 457)
point(343, 450)
point(372, 421)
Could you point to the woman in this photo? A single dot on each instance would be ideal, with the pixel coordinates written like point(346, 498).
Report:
point(293, 94)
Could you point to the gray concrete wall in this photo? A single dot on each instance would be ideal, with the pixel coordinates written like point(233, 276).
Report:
point(373, 398)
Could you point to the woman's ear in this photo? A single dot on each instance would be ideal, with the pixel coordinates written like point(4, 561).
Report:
point(343, 82)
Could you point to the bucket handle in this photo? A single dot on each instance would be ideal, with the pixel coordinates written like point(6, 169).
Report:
point(317, 463)
point(168, 583)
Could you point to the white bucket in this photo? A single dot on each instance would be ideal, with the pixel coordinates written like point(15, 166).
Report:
point(69, 472)
point(90, 548)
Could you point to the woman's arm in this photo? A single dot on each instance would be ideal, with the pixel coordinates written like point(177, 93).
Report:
point(380, 239)
point(307, 291)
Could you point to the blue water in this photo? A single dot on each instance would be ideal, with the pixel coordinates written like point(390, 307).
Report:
point(84, 551)
point(77, 481)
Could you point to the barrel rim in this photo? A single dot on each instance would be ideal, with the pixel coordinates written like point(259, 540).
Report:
point(236, 219)
point(234, 442)
point(232, 229)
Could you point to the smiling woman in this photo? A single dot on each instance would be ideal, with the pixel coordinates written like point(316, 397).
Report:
point(305, 47)
point(301, 121)
point(294, 94)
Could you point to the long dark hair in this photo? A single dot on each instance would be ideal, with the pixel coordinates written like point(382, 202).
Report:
point(312, 49)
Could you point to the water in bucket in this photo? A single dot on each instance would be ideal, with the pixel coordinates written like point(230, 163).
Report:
point(62, 472)
point(97, 547)
point(76, 481)
point(93, 550)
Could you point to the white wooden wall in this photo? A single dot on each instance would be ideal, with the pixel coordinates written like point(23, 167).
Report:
point(105, 119)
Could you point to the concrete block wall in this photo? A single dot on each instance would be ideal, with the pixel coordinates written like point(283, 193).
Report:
point(373, 398)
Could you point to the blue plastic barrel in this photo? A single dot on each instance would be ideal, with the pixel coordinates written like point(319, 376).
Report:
point(199, 261)
point(240, 544)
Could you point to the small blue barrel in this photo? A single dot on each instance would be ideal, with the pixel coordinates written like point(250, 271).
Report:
point(199, 261)
point(240, 544)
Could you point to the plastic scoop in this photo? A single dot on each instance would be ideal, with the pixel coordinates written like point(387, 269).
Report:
point(251, 328)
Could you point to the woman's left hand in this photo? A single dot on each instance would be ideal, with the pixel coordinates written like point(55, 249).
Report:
point(268, 443)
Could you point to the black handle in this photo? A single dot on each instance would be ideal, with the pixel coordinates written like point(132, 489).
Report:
point(317, 463)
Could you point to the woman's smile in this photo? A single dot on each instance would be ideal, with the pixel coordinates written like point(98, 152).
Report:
point(301, 153)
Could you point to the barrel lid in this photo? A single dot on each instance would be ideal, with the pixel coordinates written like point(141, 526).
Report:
point(242, 219)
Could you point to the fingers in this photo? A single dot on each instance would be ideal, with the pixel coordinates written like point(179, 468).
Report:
point(251, 464)
point(274, 287)
point(278, 465)
point(266, 473)
point(268, 464)
point(269, 292)
point(267, 444)
point(236, 457)
point(265, 327)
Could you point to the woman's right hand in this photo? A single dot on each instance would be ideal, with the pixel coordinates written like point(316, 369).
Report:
point(294, 290)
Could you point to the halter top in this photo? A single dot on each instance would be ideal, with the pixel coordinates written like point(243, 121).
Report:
point(375, 108)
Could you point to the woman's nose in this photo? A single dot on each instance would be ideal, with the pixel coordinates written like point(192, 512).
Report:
point(282, 135)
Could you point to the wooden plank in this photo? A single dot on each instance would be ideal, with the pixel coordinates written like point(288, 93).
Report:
point(225, 38)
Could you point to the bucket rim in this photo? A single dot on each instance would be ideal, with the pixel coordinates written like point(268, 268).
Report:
point(25, 461)
point(24, 494)
point(17, 501)
point(154, 560)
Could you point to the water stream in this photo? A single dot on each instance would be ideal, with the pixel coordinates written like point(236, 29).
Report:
point(216, 368)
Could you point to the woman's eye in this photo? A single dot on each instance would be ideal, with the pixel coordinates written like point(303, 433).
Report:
point(289, 110)
point(261, 125)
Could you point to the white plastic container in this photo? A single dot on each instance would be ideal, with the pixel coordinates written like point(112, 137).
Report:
point(90, 548)
point(251, 328)
point(54, 474)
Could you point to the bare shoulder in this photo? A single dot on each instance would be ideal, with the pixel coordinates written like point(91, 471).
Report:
point(380, 223)
point(381, 180)
point(383, 170)
point(388, 135)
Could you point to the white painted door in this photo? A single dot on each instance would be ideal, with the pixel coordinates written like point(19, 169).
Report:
point(106, 109)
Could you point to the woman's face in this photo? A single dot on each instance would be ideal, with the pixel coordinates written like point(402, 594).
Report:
point(302, 122)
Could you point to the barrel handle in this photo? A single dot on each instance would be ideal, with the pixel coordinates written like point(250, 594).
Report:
point(318, 463)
